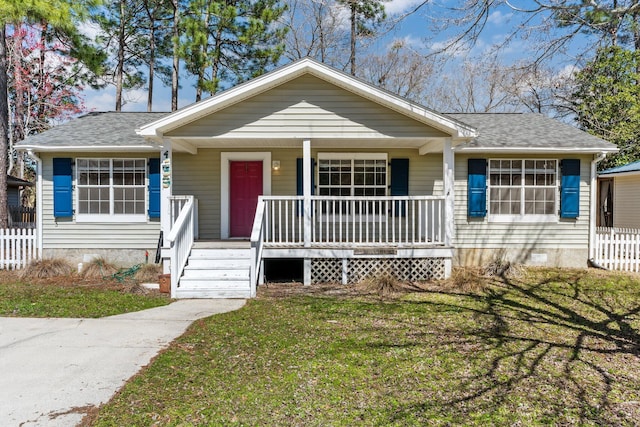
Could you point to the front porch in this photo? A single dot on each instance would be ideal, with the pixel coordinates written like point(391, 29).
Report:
point(337, 239)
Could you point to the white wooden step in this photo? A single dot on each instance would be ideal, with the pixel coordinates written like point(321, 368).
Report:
point(213, 293)
point(220, 253)
point(216, 274)
point(218, 264)
point(201, 283)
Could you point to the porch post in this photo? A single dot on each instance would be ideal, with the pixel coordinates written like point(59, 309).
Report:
point(306, 194)
point(448, 184)
point(166, 183)
point(306, 190)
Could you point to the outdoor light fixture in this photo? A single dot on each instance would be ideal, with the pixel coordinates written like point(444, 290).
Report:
point(275, 165)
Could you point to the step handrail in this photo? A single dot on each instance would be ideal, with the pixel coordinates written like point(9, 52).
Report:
point(181, 239)
point(257, 244)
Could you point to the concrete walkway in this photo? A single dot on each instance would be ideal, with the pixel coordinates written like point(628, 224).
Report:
point(53, 371)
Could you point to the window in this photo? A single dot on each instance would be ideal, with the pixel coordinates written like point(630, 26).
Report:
point(523, 189)
point(111, 187)
point(347, 174)
point(353, 174)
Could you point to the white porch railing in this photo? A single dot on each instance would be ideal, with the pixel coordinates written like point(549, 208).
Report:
point(176, 203)
point(345, 221)
point(618, 248)
point(181, 239)
point(17, 248)
point(257, 243)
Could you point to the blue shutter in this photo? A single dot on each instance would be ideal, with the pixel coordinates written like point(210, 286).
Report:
point(477, 188)
point(400, 183)
point(570, 188)
point(299, 181)
point(62, 188)
point(154, 188)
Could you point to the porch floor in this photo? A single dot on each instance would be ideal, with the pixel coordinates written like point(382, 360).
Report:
point(222, 244)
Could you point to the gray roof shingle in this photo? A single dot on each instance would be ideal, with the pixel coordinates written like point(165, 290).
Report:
point(104, 129)
point(495, 131)
point(527, 130)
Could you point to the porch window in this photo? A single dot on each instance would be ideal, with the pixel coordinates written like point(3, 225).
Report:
point(356, 174)
point(352, 174)
point(111, 188)
point(523, 189)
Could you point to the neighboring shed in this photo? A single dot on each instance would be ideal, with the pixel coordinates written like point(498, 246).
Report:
point(619, 196)
point(14, 188)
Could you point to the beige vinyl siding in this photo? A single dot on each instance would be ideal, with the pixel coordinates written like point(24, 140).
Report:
point(309, 107)
point(65, 233)
point(199, 175)
point(480, 233)
point(626, 200)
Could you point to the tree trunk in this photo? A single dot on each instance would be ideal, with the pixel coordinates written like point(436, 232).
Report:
point(152, 63)
point(4, 124)
point(120, 64)
point(176, 58)
point(352, 58)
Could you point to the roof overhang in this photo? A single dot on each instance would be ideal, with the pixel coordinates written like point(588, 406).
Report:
point(158, 128)
point(618, 174)
point(87, 148)
point(534, 150)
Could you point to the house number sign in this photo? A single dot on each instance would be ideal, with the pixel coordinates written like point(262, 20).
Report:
point(166, 173)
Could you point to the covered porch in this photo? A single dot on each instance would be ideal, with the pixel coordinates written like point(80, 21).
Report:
point(311, 164)
point(337, 238)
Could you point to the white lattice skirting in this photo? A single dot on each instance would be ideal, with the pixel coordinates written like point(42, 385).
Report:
point(324, 270)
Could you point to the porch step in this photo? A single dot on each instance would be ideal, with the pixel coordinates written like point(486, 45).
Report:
point(216, 273)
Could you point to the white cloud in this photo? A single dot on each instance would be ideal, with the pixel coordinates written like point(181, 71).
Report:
point(397, 7)
point(89, 29)
point(499, 18)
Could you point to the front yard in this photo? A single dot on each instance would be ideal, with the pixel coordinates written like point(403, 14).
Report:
point(547, 347)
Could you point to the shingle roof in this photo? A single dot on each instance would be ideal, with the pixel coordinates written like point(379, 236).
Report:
point(105, 129)
point(495, 132)
point(629, 167)
point(527, 131)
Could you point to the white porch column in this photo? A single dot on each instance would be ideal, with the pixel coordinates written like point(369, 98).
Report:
point(306, 190)
point(166, 186)
point(306, 195)
point(448, 183)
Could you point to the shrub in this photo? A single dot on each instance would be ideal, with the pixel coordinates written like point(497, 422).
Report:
point(148, 273)
point(98, 268)
point(47, 268)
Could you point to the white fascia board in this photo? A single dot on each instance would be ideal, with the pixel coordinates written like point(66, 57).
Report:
point(537, 150)
point(85, 148)
point(291, 71)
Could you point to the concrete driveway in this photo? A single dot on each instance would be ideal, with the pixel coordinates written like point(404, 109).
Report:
point(53, 371)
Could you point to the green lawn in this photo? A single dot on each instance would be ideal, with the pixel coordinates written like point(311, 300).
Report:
point(19, 299)
point(554, 347)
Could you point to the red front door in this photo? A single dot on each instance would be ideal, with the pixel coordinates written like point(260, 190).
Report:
point(245, 185)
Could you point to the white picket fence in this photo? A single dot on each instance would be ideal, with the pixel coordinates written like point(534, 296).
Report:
point(618, 248)
point(17, 248)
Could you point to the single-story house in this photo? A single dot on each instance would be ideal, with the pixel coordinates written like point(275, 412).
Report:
point(312, 165)
point(619, 196)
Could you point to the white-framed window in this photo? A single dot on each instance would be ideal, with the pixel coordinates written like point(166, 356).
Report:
point(353, 174)
point(523, 189)
point(111, 189)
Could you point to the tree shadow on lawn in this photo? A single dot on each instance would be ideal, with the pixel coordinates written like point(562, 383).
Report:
point(557, 351)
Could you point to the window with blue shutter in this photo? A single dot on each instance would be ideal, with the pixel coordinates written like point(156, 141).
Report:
point(399, 183)
point(62, 188)
point(570, 188)
point(477, 188)
point(154, 188)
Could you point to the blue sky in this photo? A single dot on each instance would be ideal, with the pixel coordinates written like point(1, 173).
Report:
point(420, 30)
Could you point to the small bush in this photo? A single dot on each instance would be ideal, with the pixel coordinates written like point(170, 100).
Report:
point(148, 273)
point(98, 268)
point(386, 285)
point(501, 268)
point(467, 279)
point(47, 268)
